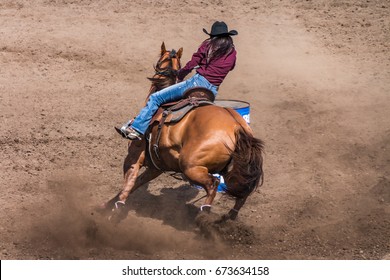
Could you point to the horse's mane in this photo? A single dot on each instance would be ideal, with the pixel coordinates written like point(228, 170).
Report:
point(161, 83)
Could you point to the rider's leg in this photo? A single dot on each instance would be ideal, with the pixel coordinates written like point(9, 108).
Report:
point(140, 124)
point(134, 129)
point(169, 94)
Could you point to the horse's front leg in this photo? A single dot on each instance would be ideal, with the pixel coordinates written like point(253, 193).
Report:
point(121, 209)
point(133, 180)
point(131, 168)
point(130, 177)
point(117, 205)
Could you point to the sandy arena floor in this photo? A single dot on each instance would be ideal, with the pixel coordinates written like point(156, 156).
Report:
point(316, 74)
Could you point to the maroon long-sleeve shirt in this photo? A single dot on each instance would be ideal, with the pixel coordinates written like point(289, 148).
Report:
point(215, 70)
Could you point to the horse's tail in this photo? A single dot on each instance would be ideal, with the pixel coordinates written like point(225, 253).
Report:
point(245, 171)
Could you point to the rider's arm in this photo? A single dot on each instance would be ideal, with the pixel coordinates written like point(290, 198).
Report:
point(195, 61)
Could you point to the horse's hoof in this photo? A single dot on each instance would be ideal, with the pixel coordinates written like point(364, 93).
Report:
point(118, 213)
point(233, 214)
point(205, 208)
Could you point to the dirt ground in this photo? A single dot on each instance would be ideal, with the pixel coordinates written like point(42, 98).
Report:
point(317, 76)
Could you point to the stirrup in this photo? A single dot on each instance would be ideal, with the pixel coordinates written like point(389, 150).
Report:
point(129, 133)
point(120, 132)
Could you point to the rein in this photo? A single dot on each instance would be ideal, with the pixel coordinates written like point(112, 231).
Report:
point(167, 73)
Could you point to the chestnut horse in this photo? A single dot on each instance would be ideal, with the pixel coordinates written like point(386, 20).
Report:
point(209, 139)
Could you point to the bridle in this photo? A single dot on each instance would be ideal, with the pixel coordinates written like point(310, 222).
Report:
point(167, 71)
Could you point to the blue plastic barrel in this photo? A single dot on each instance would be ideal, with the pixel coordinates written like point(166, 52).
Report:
point(241, 107)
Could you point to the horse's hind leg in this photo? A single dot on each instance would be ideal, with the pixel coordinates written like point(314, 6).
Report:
point(232, 214)
point(199, 175)
point(237, 206)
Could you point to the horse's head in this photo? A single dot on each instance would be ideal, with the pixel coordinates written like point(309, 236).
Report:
point(166, 68)
point(169, 62)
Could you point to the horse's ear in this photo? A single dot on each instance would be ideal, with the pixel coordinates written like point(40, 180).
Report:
point(163, 49)
point(179, 52)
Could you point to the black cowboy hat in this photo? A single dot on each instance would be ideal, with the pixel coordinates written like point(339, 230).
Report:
point(220, 28)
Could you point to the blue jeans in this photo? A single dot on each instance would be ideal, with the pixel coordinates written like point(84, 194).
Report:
point(169, 94)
